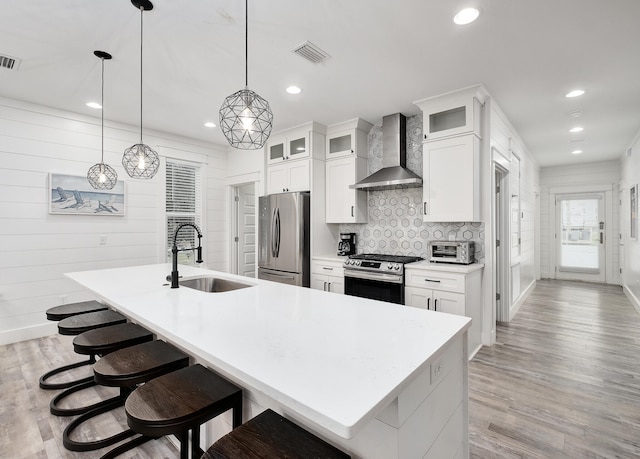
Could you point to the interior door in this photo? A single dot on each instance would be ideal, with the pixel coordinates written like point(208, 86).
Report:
point(245, 226)
point(580, 232)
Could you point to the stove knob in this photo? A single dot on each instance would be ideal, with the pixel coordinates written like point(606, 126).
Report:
point(358, 262)
point(397, 267)
point(389, 266)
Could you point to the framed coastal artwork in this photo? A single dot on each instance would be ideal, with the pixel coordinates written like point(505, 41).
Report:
point(633, 214)
point(73, 195)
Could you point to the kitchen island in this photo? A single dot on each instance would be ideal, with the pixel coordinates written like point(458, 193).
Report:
point(375, 379)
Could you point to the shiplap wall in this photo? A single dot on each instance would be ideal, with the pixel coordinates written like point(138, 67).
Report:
point(37, 248)
point(630, 166)
point(583, 176)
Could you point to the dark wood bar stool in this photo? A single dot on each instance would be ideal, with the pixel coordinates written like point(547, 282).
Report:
point(58, 313)
point(126, 368)
point(270, 436)
point(100, 341)
point(179, 402)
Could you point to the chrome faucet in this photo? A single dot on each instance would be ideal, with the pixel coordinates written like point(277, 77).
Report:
point(175, 250)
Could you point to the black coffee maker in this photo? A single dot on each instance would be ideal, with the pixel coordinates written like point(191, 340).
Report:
point(347, 244)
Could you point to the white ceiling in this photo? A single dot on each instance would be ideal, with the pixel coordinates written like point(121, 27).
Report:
point(384, 56)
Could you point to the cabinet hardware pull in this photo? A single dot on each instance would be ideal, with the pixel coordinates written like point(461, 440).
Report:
point(328, 286)
point(324, 288)
point(431, 280)
point(601, 238)
point(352, 210)
point(428, 303)
point(424, 206)
point(327, 268)
point(435, 304)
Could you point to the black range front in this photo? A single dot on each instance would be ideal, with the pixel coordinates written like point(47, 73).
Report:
point(375, 276)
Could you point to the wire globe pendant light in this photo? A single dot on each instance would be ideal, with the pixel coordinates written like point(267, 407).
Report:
point(101, 176)
point(141, 161)
point(245, 117)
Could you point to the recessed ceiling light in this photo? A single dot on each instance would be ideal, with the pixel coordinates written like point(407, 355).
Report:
point(576, 152)
point(576, 129)
point(466, 16)
point(209, 124)
point(575, 93)
point(95, 105)
point(294, 90)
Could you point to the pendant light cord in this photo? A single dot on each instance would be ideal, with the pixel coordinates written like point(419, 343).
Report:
point(246, 44)
point(102, 111)
point(141, 15)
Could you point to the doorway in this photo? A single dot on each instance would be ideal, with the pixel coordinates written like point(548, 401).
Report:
point(579, 235)
point(244, 230)
point(501, 230)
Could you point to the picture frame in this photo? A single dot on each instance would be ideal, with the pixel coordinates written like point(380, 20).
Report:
point(73, 195)
point(633, 212)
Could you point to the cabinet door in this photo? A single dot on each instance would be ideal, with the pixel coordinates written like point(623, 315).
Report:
point(298, 175)
point(447, 118)
point(417, 297)
point(318, 282)
point(343, 204)
point(298, 147)
point(452, 303)
point(276, 151)
point(277, 178)
point(451, 175)
point(336, 284)
point(340, 144)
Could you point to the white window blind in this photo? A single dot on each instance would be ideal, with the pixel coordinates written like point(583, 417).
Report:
point(183, 205)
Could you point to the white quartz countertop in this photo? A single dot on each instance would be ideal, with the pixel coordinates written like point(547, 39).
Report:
point(448, 267)
point(333, 360)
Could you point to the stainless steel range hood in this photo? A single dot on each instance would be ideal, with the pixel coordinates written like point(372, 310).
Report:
point(394, 158)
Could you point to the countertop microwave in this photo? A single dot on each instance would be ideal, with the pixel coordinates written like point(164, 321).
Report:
point(460, 252)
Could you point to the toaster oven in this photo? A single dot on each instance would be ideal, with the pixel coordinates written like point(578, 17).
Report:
point(460, 252)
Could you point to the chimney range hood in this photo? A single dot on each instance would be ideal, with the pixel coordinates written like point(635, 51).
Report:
point(394, 158)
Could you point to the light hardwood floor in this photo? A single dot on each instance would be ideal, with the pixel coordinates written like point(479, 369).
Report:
point(562, 381)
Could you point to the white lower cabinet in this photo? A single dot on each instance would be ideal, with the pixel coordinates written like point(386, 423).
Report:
point(327, 276)
point(447, 291)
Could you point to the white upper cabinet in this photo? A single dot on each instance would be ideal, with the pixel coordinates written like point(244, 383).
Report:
point(284, 148)
point(348, 139)
point(452, 114)
point(344, 204)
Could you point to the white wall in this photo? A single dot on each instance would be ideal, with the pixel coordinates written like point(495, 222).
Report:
point(630, 168)
point(37, 248)
point(600, 176)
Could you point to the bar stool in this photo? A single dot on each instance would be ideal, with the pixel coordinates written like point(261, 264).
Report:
point(179, 402)
point(58, 313)
point(126, 368)
point(100, 341)
point(270, 436)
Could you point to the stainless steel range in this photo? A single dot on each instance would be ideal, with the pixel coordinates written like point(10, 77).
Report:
point(375, 276)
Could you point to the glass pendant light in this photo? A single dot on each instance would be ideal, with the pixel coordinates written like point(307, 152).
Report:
point(140, 160)
point(245, 117)
point(101, 176)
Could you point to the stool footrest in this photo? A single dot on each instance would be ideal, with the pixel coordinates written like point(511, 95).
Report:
point(56, 410)
point(65, 385)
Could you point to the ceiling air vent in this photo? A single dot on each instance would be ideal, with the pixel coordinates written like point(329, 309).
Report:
point(10, 63)
point(311, 52)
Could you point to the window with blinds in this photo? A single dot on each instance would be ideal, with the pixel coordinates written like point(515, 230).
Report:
point(183, 205)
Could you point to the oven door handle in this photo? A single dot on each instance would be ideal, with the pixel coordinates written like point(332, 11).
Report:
point(381, 277)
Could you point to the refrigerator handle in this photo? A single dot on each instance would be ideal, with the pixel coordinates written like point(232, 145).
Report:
point(277, 232)
point(273, 232)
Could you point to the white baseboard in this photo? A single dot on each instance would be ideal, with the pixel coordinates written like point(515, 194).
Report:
point(24, 334)
point(515, 307)
point(634, 300)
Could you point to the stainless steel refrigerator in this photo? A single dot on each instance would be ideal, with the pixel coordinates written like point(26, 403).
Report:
point(283, 243)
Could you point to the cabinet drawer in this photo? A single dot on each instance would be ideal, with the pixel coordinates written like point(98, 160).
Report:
point(328, 269)
point(435, 280)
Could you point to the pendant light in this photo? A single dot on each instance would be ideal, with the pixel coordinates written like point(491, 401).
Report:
point(101, 176)
point(140, 160)
point(245, 117)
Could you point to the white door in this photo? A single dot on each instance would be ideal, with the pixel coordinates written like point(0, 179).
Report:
point(245, 237)
point(580, 230)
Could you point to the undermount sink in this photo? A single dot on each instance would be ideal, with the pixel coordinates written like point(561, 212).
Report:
point(212, 284)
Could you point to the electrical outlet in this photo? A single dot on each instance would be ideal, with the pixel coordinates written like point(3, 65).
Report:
point(103, 240)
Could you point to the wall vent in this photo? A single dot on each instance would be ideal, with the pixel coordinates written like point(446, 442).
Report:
point(311, 52)
point(8, 62)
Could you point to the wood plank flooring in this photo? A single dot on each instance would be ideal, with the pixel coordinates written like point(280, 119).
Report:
point(563, 380)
